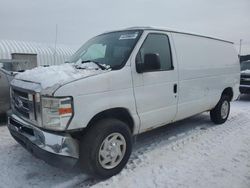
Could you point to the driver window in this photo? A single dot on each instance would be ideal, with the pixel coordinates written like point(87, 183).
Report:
point(157, 44)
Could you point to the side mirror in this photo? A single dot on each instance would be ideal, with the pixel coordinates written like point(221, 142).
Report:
point(152, 62)
point(139, 67)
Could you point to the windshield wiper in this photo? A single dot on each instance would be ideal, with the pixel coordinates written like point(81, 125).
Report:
point(102, 67)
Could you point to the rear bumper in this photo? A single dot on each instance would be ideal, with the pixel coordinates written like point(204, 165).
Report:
point(59, 150)
point(245, 89)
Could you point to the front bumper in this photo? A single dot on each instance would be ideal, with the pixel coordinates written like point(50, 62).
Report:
point(245, 89)
point(59, 150)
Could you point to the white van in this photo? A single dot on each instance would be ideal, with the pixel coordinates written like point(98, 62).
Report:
point(117, 85)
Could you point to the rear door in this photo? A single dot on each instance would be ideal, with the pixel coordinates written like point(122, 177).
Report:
point(156, 91)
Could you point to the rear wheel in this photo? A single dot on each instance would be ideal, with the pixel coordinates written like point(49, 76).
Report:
point(221, 111)
point(106, 148)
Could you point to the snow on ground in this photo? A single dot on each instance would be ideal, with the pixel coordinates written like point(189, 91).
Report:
point(20, 169)
point(208, 156)
point(190, 153)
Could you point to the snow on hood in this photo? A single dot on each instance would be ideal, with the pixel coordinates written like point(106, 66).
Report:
point(59, 74)
point(246, 71)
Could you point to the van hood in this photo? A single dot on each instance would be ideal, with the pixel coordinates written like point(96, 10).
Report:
point(53, 77)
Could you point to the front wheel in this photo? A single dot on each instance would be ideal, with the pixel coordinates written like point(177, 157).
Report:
point(106, 148)
point(221, 111)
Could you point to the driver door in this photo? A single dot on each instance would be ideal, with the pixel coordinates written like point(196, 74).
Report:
point(155, 87)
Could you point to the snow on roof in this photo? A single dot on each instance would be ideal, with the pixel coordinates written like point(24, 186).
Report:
point(246, 71)
point(46, 54)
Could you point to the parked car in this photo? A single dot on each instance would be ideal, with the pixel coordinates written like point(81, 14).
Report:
point(8, 69)
point(245, 77)
point(117, 85)
point(5, 78)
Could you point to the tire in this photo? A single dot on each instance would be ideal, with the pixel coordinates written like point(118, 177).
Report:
point(93, 144)
point(217, 115)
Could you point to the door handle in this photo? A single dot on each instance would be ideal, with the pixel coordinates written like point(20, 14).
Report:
point(175, 88)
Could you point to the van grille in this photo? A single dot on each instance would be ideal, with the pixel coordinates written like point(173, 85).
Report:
point(23, 103)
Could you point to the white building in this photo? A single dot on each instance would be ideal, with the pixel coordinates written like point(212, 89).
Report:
point(37, 53)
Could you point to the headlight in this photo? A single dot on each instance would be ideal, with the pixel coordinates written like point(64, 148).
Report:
point(56, 112)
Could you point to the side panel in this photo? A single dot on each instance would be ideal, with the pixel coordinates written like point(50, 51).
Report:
point(206, 68)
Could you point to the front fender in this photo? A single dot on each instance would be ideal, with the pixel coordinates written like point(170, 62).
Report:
point(87, 106)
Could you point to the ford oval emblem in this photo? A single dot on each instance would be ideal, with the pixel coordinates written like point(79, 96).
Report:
point(19, 102)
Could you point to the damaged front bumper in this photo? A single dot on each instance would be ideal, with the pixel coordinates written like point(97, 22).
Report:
point(59, 150)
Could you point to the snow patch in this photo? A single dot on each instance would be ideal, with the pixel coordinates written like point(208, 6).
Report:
point(74, 181)
point(246, 71)
point(217, 156)
point(59, 74)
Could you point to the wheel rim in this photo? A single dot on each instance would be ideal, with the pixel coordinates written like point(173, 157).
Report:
point(112, 150)
point(224, 109)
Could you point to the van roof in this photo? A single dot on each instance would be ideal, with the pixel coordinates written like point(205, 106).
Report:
point(173, 31)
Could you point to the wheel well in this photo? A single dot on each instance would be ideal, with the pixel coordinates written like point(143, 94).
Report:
point(118, 113)
point(228, 92)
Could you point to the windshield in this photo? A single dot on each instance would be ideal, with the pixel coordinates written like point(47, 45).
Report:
point(111, 49)
point(245, 65)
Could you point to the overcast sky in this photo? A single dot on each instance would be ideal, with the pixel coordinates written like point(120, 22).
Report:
point(78, 20)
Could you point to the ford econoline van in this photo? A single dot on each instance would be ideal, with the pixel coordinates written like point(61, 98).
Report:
point(117, 85)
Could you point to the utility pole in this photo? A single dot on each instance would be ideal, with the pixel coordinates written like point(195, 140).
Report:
point(55, 45)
